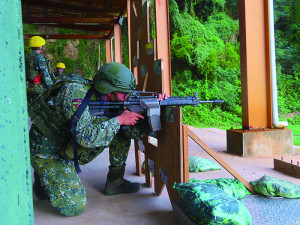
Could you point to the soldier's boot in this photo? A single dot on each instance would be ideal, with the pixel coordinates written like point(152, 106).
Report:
point(38, 189)
point(116, 184)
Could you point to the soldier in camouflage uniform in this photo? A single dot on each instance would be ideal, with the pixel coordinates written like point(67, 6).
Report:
point(52, 151)
point(37, 69)
point(59, 73)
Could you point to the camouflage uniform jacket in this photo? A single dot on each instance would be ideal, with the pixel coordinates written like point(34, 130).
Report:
point(59, 76)
point(42, 66)
point(89, 132)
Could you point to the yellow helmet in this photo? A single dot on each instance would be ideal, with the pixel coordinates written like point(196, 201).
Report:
point(60, 65)
point(36, 42)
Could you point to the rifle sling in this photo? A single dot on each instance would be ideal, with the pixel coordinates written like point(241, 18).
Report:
point(74, 120)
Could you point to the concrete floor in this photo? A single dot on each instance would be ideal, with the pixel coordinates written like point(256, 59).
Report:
point(145, 207)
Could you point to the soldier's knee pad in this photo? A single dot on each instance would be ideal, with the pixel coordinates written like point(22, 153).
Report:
point(71, 202)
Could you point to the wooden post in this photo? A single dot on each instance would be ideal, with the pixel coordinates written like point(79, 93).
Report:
point(255, 64)
point(108, 49)
point(163, 42)
point(118, 47)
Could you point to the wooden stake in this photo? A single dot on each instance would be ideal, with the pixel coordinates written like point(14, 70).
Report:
point(220, 160)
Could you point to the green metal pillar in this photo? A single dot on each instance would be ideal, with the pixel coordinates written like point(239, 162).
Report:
point(15, 172)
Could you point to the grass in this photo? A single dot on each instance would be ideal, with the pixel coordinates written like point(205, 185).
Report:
point(294, 128)
point(296, 133)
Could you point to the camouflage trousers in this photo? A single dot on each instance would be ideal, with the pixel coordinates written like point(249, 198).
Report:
point(56, 171)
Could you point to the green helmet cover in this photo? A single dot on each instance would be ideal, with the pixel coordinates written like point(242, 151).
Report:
point(113, 77)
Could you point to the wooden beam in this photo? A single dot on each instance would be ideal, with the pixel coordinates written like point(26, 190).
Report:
point(129, 33)
point(107, 3)
point(225, 165)
point(62, 36)
point(96, 28)
point(26, 10)
point(108, 50)
point(118, 44)
point(137, 158)
point(287, 168)
point(163, 42)
point(57, 5)
point(255, 62)
point(69, 20)
point(185, 153)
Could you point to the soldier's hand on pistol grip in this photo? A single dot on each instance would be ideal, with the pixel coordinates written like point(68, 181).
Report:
point(129, 118)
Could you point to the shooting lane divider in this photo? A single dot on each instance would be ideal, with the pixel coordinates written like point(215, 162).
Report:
point(225, 165)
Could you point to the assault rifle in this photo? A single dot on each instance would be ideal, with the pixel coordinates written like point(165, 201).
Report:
point(139, 101)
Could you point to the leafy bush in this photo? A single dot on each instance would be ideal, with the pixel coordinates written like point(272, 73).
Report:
point(205, 58)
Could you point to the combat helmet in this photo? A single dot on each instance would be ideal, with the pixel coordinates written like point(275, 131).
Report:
point(113, 77)
point(60, 65)
point(36, 42)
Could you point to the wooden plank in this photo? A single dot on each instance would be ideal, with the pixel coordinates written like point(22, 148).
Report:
point(118, 45)
point(185, 161)
point(220, 160)
point(108, 50)
point(129, 33)
point(65, 36)
point(286, 167)
point(163, 42)
point(148, 173)
point(58, 5)
point(150, 153)
point(138, 165)
point(254, 56)
point(106, 29)
point(70, 20)
point(170, 145)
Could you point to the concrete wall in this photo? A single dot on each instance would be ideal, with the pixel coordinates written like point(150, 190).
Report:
point(15, 174)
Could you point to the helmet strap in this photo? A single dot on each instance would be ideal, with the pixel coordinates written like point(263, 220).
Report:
point(115, 96)
point(100, 100)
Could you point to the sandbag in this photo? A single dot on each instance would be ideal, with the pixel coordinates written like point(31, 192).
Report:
point(207, 204)
point(273, 187)
point(197, 164)
point(232, 187)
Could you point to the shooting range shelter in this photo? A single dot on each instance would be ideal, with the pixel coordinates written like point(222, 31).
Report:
point(151, 64)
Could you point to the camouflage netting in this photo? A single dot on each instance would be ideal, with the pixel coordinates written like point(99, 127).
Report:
point(197, 164)
point(273, 187)
point(232, 187)
point(208, 204)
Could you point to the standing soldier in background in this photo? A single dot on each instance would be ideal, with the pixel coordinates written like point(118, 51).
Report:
point(59, 73)
point(37, 69)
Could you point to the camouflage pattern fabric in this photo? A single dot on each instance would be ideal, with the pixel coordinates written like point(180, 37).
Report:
point(197, 164)
point(59, 76)
point(37, 64)
point(232, 187)
point(65, 189)
point(208, 204)
point(33, 91)
point(273, 187)
point(41, 64)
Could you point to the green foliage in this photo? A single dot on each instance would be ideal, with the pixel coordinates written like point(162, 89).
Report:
point(208, 114)
point(86, 62)
point(124, 40)
point(205, 58)
point(152, 20)
point(208, 55)
point(288, 92)
point(296, 132)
